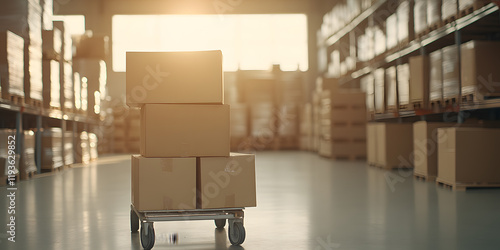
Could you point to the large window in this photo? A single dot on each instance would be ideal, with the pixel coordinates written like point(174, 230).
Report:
point(248, 42)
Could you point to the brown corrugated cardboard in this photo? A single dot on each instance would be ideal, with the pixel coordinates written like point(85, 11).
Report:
point(479, 69)
point(403, 77)
point(351, 150)
point(425, 139)
point(163, 183)
point(419, 80)
point(436, 76)
point(468, 155)
point(184, 130)
point(371, 142)
point(226, 182)
point(451, 72)
point(348, 132)
point(174, 77)
point(51, 84)
point(394, 145)
point(390, 87)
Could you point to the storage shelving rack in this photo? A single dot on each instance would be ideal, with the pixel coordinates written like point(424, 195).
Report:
point(482, 23)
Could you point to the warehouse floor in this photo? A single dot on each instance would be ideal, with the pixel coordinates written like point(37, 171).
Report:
point(304, 202)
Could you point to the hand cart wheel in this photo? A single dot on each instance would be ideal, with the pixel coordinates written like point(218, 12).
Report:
point(134, 221)
point(147, 235)
point(220, 223)
point(236, 233)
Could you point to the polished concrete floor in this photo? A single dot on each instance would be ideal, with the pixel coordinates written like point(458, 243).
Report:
point(304, 202)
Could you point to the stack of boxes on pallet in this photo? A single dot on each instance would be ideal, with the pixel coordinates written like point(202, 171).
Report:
point(390, 145)
point(24, 18)
point(185, 160)
point(11, 65)
point(52, 149)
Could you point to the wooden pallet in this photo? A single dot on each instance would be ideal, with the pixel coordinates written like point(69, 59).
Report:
point(425, 178)
point(471, 98)
point(449, 20)
point(34, 103)
point(417, 105)
point(465, 186)
point(15, 99)
point(434, 26)
point(470, 9)
point(52, 170)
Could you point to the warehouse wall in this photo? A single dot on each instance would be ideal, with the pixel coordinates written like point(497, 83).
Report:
point(98, 15)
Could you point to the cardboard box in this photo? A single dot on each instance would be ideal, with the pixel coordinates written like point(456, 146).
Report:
point(11, 64)
point(436, 76)
point(479, 69)
point(51, 84)
point(226, 182)
point(163, 183)
point(325, 147)
point(390, 87)
point(451, 72)
point(371, 143)
point(419, 80)
point(184, 130)
point(350, 150)
point(174, 77)
point(468, 155)
point(394, 145)
point(403, 76)
point(425, 147)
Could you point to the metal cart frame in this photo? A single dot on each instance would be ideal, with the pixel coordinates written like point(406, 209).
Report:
point(235, 216)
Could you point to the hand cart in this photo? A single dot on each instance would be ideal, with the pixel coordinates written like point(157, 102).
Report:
point(235, 216)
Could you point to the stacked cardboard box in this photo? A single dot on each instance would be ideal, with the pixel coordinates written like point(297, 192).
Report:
point(434, 12)
point(479, 69)
point(378, 81)
point(474, 4)
point(419, 82)
point(93, 46)
point(306, 127)
point(82, 148)
point(185, 142)
point(391, 25)
point(403, 76)
point(390, 145)
point(69, 158)
point(449, 10)
point(93, 142)
point(390, 89)
point(47, 14)
point(425, 148)
point(436, 78)
point(51, 84)
point(325, 124)
point(11, 65)
point(420, 16)
point(27, 160)
point(405, 31)
point(24, 18)
point(468, 157)
point(52, 149)
point(368, 86)
point(93, 73)
point(348, 125)
point(451, 74)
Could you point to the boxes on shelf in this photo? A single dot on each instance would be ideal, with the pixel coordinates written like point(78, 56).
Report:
point(67, 86)
point(51, 84)
point(449, 10)
point(425, 147)
point(394, 145)
point(378, 81)
point(174, 77)
point(11, 65)
point(391, 89)
point(468, 156)
point(405, 21)
point(420, 16)
point(93, 46)
point(419, 81)
point(403, 85)
point(464, 5)
point(52, 149)
point(47, 14)
point(434, 13)
point(94, 77)
point(368, 86)
point(451, 74)
point(67, 42)
point(24, 18)
point(227, 182)
point(391, 25)
point(82, 148)
point(69, 158)
point(52, 44)
point(198, 130)
point(93, 142)
point(163, 183)
point(436, 77)
point(479, 69)
point(289, 89)
point(27, 160)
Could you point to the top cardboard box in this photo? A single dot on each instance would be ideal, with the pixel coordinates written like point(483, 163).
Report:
point(193, 77)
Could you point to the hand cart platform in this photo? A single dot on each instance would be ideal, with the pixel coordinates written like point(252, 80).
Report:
point(236, 232)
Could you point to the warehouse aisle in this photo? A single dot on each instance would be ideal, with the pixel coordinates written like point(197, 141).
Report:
point(339, 205)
